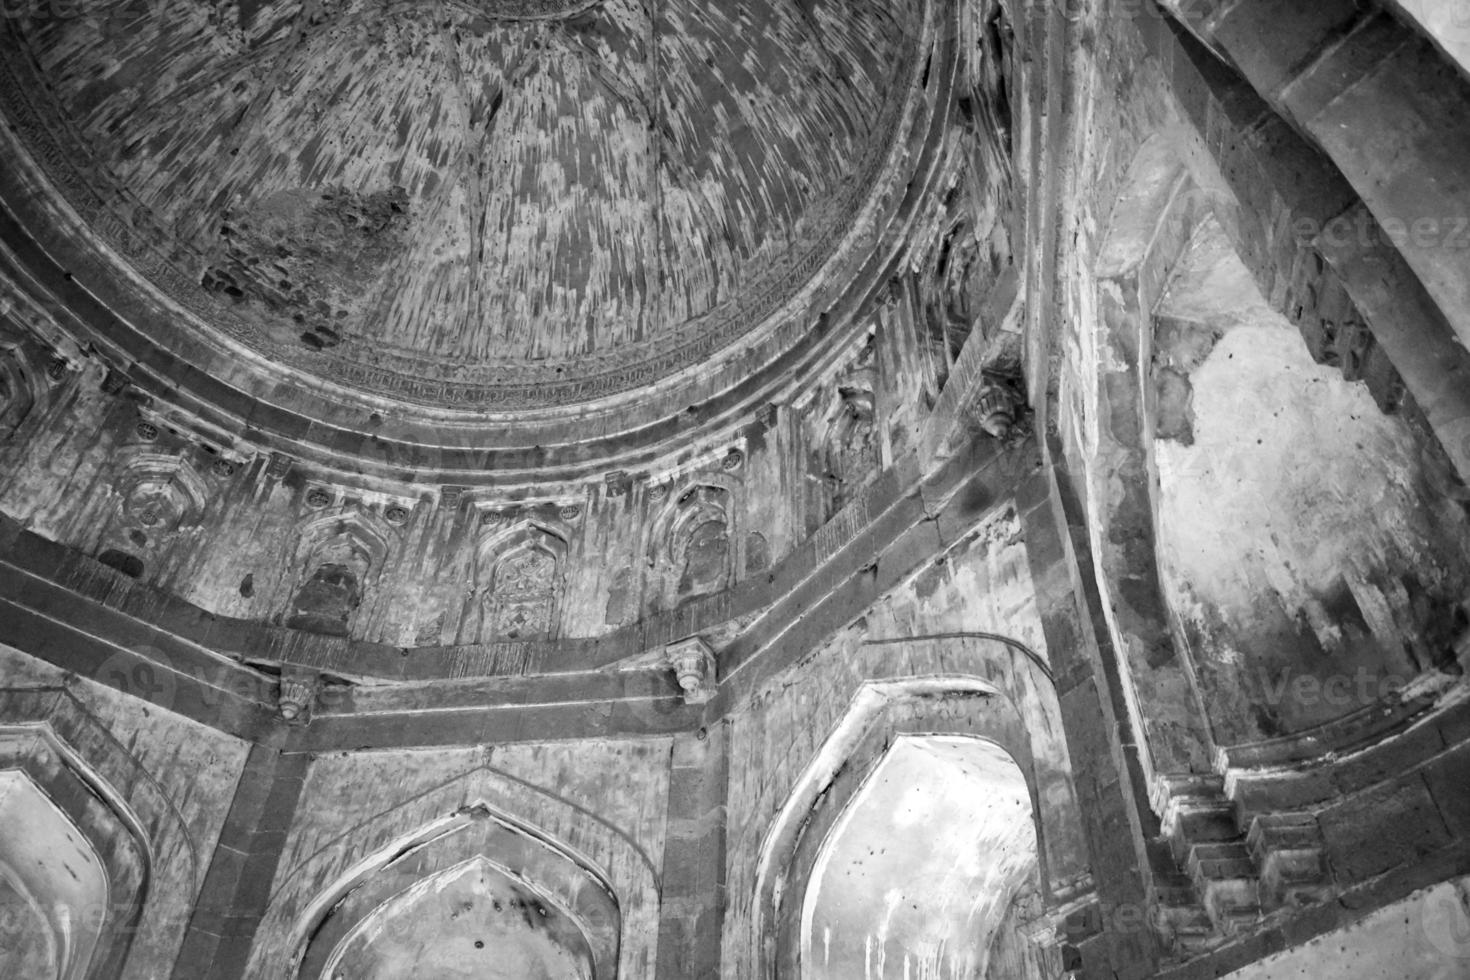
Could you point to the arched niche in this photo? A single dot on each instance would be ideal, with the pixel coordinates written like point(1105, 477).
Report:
point(472, 920)
point(695, 544)
point(920, 872)
point(964, 709)
point(1157, 209)
point(1271, 558)
point(473, 895)
point(596, 875)
point(338, 559)
point(1310, 570)
point(49, 864)
point(74, 854)
point(520, 573)
point(843, 432)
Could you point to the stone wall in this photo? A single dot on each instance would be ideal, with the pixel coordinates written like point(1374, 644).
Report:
point(607, 802)
point(935, 624)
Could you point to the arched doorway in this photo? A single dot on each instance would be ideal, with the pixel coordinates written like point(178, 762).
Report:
point(920, 873)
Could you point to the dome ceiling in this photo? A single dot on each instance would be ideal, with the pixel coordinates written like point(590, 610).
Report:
point(492, 204)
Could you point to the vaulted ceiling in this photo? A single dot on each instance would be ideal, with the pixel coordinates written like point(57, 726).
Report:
point(514, 203)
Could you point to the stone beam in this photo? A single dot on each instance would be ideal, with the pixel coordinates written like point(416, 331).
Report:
point(1387, 107)
point(237, 887)
point(1411, 329)
point(694, 857)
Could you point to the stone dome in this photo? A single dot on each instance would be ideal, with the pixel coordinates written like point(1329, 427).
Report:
point(492, 206)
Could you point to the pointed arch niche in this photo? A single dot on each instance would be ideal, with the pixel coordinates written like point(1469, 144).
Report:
point(695, 545)
point(20, 388)
point(914, 844)
point(412, 889)
point(73, 863)
point(520, 577)
point(920, 871)
point(473, 895)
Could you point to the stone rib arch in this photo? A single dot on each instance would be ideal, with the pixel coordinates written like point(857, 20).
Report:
point(975, 694)
point(300, 902)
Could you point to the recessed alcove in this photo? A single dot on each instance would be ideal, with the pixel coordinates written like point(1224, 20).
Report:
point(50, 872)
point(919, 873)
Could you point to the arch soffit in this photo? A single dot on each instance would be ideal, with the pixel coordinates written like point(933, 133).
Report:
point(606, 854)
point(55, 717)
point(1169, 191)
point(858, 741)
point(476, 833)
point(143, 842)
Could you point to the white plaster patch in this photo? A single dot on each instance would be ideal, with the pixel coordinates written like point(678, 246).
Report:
point(1296, 480)
point(922, 867)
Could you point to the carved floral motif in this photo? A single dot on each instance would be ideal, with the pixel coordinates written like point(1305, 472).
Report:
point(525, 594)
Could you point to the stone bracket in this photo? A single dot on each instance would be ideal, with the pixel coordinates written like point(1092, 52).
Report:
point(693, 663)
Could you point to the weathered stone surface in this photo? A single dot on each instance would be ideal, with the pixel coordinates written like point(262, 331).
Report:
point(691, 492)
